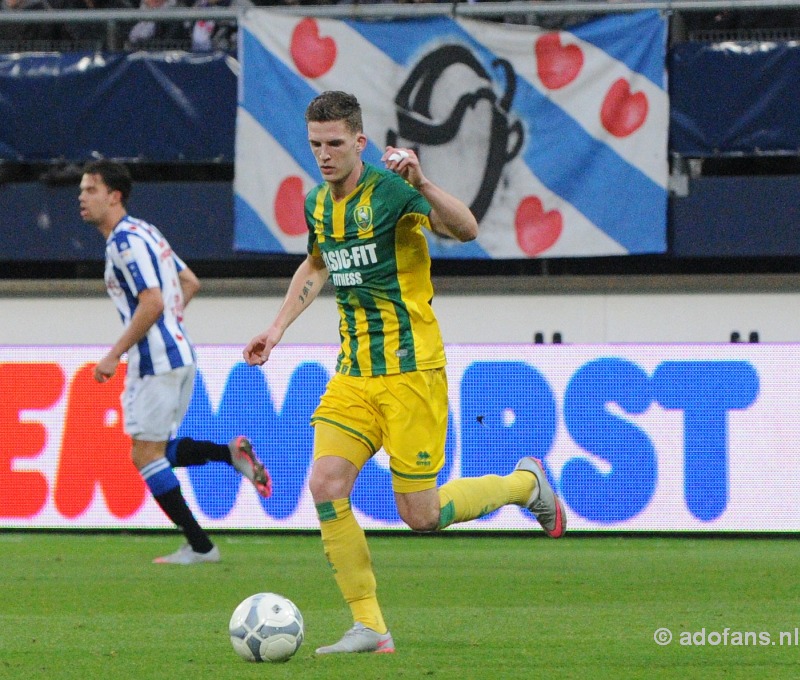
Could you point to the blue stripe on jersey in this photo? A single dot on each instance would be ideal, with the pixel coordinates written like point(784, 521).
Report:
point(154, 260)
point(123, 245)
point(133, 268)
point(131, 299)
point(145, 359)
point(170, 346)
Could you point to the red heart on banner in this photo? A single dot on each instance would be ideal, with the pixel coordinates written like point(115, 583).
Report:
point(289, 207)
point(537, 230)
point(557, 65)
point(312, 54)
point(623, 112)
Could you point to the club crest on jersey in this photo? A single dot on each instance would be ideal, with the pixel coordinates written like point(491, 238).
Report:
point(363, 217)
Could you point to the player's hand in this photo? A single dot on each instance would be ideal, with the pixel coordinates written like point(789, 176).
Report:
point(259, 348)
point(105, 368)
point(405, 163)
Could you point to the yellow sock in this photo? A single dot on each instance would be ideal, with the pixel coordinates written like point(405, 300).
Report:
point(471, 497)
point(348, 554)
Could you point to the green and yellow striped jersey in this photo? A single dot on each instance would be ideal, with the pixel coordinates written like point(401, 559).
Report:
point(378, 260)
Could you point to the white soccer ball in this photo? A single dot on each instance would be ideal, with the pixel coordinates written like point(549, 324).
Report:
point(266, 627)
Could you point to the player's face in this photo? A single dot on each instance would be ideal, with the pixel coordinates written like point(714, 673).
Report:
point(95, 199)
point(337, 151)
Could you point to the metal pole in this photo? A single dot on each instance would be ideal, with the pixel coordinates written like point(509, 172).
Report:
point(391, 10)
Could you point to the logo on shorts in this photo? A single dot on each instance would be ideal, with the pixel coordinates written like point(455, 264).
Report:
point(423, 459)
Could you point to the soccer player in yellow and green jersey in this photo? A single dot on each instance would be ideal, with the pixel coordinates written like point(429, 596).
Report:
point(389, 390)
point(373, 246)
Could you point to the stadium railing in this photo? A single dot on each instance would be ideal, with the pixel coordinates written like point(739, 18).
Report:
point(511, 10)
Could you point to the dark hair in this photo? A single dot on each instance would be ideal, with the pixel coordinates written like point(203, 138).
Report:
point(334, 105)
point(116, 176)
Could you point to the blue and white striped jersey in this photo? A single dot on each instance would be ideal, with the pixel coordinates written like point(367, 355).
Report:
point(139, 257)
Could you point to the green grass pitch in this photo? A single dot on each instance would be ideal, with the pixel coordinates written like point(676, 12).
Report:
point(91, 606)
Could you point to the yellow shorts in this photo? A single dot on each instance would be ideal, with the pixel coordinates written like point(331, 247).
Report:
point(405, 414)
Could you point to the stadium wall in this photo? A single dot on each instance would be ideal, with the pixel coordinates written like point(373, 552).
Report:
point(597, 310)
point(721, 217)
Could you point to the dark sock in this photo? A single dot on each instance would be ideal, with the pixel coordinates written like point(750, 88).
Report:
point(186, 451)
point(166, 489)
point(174, 506)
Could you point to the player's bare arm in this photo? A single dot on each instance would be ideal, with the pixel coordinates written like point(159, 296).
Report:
point(306, 284)
point(148, 311)
point(190, 284)
point(449, 216)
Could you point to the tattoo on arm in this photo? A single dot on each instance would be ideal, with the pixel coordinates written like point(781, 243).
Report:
point(306, 291)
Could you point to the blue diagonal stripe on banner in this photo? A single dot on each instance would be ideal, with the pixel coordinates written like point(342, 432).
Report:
point(281, 112)
point(271, 93)
point(251, 232)
point(633, 37)
point(560, 162)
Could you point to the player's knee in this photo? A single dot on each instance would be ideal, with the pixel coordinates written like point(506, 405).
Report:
point(419, 509)
point(424, 527)
point(317, 486)
point(423, 522)
point(327, 487)
point(145, 452)
point(136, 455)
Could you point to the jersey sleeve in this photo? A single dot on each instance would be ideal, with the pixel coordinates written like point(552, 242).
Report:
point(180, 265)
point(415, 204)
point(418, 204)
point(311, 246)
point(135, 260)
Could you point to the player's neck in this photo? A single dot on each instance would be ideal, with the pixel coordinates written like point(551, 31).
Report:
point(112, 220)
point(345, 187)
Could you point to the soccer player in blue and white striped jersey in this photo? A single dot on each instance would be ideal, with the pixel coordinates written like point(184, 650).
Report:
point(150, 286)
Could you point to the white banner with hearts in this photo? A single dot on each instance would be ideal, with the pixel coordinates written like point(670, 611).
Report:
point(556, 140)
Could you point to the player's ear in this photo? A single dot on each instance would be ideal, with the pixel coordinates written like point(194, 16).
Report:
point(361, 142)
